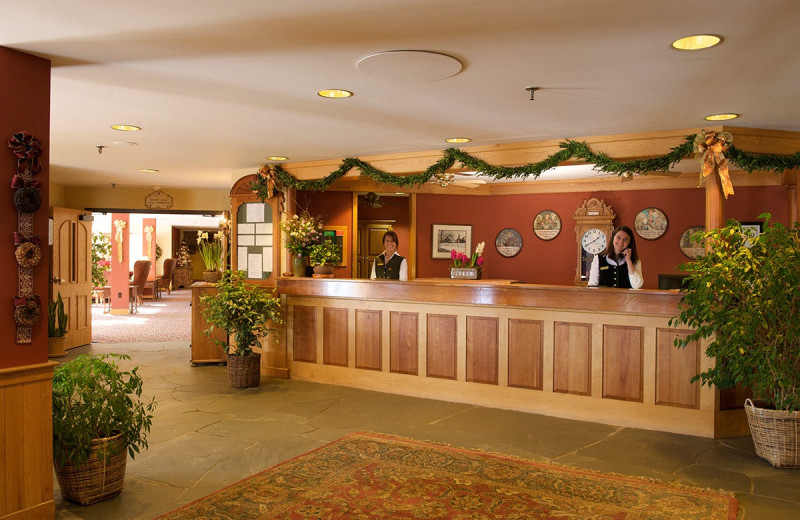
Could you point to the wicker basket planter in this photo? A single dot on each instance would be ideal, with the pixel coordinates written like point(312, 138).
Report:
point(97, 479)
point(244, 371)
point(211, 276)
point(55, 346)
point(776, 435)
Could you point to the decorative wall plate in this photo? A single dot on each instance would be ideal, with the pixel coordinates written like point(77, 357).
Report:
point(650, 223)
point(508, 242)
point(547, 225)
point(689, 247)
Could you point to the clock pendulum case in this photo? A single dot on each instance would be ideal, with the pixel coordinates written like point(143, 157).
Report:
point(594, 223)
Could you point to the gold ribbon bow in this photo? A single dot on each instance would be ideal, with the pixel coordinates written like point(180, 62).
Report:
point(119, 225)
point(268, 177)
point(713, 146)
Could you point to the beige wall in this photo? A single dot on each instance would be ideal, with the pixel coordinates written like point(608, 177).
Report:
point(81, 197)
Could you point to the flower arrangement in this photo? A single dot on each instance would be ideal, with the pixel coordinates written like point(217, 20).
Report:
point(302, 233)
point(210, 251)
point(462, 260)
point(327, 252)
point(101, 259)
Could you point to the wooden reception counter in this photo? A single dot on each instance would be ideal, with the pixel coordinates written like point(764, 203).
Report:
point(594, 354)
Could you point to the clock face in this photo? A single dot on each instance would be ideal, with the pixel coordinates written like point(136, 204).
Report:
point(593, 241)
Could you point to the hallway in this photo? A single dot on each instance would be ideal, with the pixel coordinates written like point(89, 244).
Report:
point(207, 435)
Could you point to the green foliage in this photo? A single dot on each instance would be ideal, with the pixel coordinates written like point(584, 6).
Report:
point(93, 398)
point(569, 149)
point(101, 258)
point(210, 251)
point(57, 319)
point(327, 252)
point(744, 294)
point(244, 310)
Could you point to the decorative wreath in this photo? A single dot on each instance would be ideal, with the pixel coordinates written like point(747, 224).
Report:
point(27, 199)
point(27, 311)
point(28, 254)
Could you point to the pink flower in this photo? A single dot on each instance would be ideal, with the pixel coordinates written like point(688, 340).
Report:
point(480, 261)
point(453, 254)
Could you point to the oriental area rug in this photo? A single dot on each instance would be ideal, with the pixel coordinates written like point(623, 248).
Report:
point(377, 476)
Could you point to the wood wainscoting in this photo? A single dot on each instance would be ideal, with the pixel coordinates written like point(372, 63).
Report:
point(595, 354)
point(26, 435)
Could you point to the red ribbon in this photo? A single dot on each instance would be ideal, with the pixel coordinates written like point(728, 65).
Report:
point(22, 301)
point(25, 145)
point(19, 182)
point(20, 239)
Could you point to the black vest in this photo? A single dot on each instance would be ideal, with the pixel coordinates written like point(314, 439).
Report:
point(613, 275)
point(389, 270)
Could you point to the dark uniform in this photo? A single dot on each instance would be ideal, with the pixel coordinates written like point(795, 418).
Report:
point(390, 270)
point(613, 275)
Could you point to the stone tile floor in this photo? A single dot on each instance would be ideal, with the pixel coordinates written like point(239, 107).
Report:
point(207, 435)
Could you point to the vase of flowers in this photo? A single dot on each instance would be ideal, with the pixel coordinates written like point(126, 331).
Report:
point(301, 233)
point(211, 254)
point(467, 267)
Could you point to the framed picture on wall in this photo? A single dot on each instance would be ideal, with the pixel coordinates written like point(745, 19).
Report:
point(337, 235)
point(650, 223)
point(547, 225)
point(508, 242)
point(447, 237)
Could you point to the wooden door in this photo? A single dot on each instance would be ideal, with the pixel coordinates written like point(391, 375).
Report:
point(72, 272)
point(370, 244)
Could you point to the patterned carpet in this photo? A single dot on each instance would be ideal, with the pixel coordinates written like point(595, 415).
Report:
point(376, 476)
point(167, 319)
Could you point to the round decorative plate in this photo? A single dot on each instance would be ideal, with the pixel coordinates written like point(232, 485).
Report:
point(650, 223)
point(508, 242)
point(547, 225)
point(689, 247)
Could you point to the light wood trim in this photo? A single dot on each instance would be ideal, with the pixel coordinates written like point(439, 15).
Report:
point(304, 334)
point(404, 342)
point(675, 368)
point(572, 358)
point(412, 237)
point(525, 353)
point(334, 342)
point(368, 339)
point(623, 363)
point(441, 345)
point(482, 349)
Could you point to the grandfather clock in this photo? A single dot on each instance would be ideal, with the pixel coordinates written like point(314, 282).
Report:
point(594, 223)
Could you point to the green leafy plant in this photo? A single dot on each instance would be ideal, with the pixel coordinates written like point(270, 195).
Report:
point(210, 251)
point(57, 319)
point(101, 259)
point(92, 399)
point(241, 309)
point(745, 295)
point(327, 252)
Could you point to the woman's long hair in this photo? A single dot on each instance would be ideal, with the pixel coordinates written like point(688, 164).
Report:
point(631, 245)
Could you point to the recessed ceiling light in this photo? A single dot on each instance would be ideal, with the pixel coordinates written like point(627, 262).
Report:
point(126, 128)
point(277, 158)
point(149, 170)
point(696, 42)
point(125, 143)
point(458, 140)
point(721, 117)
point(334, 93)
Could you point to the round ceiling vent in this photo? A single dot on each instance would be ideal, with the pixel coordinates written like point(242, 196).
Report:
point(409, 65)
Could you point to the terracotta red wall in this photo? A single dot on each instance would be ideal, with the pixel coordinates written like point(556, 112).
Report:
point(24, 105)
point(336, 209)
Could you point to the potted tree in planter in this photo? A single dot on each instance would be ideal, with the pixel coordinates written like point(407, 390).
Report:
point(99, 419)
point(323, 256)
point(745, 295)
point(248, 312)
point(57, 323)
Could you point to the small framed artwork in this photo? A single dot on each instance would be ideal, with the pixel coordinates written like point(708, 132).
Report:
point(547, 225)
point(337, 235)
point(650, 223)
point(447, 237)
point(752, 229)
point(690, 247)
point(508, 242)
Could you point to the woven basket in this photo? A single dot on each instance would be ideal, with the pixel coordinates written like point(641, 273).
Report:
point(776, 435)
point(95, 480)
point(212, 276)
point(244, 371)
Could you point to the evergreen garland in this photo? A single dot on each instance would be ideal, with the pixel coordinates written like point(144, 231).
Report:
point(568, 149)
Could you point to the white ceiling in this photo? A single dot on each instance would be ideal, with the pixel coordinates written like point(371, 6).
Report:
point(219, 85)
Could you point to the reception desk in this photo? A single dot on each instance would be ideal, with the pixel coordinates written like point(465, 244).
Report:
point(593, 354)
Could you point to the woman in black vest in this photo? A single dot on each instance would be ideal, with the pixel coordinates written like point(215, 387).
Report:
point(619, 266)
point(389, 264)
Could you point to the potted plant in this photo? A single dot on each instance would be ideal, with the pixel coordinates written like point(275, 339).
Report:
point(301, 233)
point(744, 294)
point(99, 419)
point(467, 267)
point(247, 312)
point(211, 252)
point(57, 324)
point(323, 256)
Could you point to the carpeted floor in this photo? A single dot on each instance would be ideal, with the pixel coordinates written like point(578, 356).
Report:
point(167, 319)
point(379, 476)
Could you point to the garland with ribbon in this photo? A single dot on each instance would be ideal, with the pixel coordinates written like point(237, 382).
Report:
point(270, 177)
